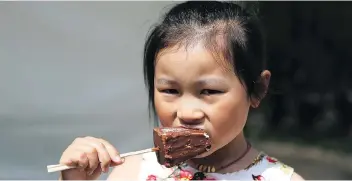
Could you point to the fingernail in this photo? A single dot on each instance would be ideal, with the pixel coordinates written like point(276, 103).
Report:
point(117, 159)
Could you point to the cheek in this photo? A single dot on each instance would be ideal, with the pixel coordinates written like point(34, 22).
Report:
point(164, 111)
point(228, 118)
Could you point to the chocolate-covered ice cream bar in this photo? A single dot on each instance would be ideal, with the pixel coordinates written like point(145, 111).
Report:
point(178, 144)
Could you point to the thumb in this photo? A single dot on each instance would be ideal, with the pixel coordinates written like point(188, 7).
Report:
point(116, 163)
point(117, 160)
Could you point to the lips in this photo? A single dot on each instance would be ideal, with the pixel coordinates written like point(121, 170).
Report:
point(193, 127)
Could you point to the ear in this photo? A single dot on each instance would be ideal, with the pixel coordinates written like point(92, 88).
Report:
point(261, 86)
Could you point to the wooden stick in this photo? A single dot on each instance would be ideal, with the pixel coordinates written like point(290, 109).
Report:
point(61, 167)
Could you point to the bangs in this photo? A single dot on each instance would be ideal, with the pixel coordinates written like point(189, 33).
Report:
point(221, 39)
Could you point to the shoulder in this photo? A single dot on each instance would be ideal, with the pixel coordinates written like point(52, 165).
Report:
point(296, 177)
point(129, 170)
point(281, 170)
point(273, 169)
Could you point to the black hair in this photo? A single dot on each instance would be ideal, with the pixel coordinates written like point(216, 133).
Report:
point(242, 40)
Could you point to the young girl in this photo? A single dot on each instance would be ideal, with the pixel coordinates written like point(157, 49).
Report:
point(204, 67)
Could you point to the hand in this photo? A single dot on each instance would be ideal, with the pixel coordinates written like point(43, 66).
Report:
point(91, 156)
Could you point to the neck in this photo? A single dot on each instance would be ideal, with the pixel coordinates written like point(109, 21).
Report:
point(224, 155)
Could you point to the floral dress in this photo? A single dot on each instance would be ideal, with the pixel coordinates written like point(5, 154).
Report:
point(263, 168)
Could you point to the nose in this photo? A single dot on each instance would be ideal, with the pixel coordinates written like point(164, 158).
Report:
point(190, 116)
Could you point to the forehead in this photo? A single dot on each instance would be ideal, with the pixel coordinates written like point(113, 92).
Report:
point(194, 58)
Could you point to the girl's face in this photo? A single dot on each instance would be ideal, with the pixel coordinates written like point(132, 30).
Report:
point(192, 89)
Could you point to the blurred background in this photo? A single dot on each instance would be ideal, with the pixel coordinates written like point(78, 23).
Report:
point(70, 69)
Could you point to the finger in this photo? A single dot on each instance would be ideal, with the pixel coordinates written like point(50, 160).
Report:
point(76, 158)
point(83, 161)
point(92, 155)
point(70, 156)
point(67, 156)
point(66, 160)
point(114, 154)
point(113, 164)
point(103, 154)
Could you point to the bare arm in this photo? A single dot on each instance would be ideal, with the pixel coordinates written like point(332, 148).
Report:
point(129, 170)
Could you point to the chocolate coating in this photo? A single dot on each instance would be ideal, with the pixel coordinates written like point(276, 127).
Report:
point(178, 144)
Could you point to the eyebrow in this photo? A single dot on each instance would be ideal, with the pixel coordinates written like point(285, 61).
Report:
point(209, 81)
point(164, 81)
point(200, 82)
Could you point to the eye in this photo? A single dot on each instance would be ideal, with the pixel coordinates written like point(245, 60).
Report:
point(169, 91)
point(210, 92)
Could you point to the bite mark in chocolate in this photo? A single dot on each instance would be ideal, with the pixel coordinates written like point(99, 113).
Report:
point(178, 144)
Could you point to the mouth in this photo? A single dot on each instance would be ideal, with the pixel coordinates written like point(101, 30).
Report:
point(193, 127)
